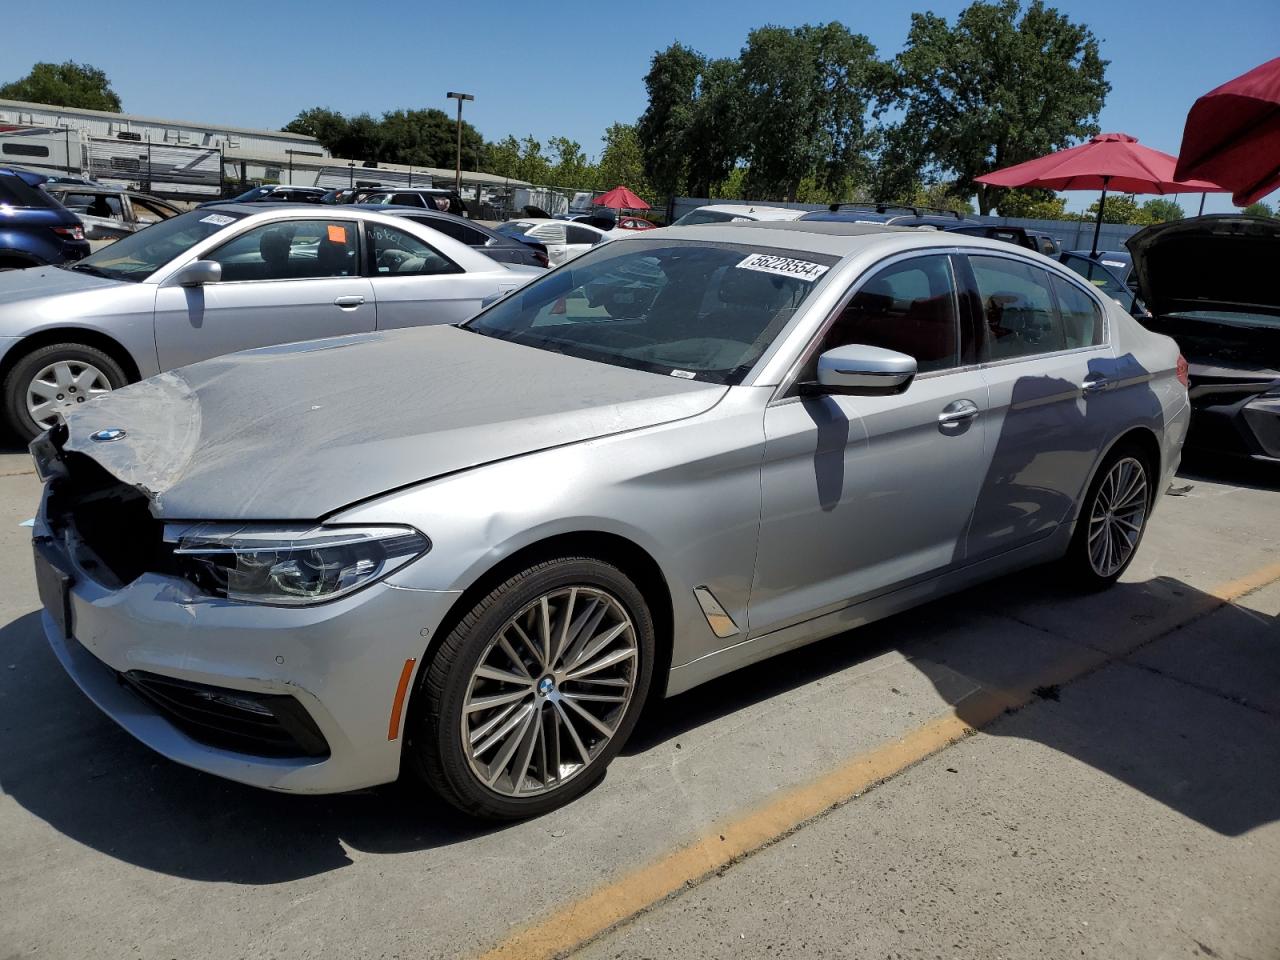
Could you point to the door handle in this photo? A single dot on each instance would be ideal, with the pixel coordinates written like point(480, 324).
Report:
point(347, 302)
point(958, 411)
point(1095, 385)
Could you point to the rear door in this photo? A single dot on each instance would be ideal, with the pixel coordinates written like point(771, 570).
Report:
point(415, 284)
point(281, 281)
point(865, 493)
point(1052, 380)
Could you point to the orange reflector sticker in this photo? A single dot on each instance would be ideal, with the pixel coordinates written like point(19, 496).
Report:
point(337, 234)
point(397, 705)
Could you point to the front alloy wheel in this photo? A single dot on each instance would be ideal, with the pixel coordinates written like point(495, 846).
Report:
point(535, 690)
point(548, 694)
point(59, 387)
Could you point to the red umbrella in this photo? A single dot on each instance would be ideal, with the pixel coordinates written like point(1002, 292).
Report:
point(620, 198)
point(1114, 161)
point(1232, 135)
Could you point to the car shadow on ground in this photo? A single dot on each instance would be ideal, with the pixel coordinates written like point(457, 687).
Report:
point(70, 766)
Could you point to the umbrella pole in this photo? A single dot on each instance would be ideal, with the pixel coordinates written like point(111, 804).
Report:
point(1201, 213)
point(1097, 224)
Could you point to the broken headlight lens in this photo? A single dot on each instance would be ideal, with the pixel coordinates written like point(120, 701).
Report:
point(290, 566)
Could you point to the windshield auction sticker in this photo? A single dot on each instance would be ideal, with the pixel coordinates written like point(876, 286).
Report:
point(217, 219)
point(783, 266)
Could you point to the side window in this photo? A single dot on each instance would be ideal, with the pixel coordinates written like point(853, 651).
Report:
point(145, 211)
point(393, 251)
point(291, 250)
point(473, 237)
point(1017, 308)
point(407, 199)
point(909, 307)
point(447, 227)
point(579, 235)
point(1081, 317)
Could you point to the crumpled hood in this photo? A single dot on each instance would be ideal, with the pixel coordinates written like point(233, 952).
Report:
point(296, 432)
point(1219, 262)
point(19, 285)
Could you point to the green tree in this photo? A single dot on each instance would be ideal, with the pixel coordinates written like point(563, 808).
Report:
point(1258, 209)
point(1001, 86)
point(68, 84)
point(622, 163)
point(503, 158)
point(806, 94)
point(568, 164)
point(425, 138)
point(1161, 210)
point(663, 128)
point(1032, 204)
point(1120, 208)
point(713, 140)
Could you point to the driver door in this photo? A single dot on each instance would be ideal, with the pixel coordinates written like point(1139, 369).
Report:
point(282, 281)
point(863, 494)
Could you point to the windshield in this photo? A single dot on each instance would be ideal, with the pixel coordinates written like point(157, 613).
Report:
point(141, 254)
point(1101, 277)
point(708, 216)
point(698, 311)
point(254, 193)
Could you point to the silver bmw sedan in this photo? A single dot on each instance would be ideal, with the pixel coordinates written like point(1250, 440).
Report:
point(676, 455)
point(223, 278)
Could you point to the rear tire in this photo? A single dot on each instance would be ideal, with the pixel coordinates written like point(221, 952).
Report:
point(1113, 518)
point(565, 716)
point(95, 371)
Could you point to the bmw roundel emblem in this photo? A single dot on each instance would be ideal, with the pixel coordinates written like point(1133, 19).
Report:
point(106, 436)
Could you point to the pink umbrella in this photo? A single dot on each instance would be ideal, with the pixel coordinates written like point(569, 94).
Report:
point(1109, 161)
point(1233, 135)
point(620, 198)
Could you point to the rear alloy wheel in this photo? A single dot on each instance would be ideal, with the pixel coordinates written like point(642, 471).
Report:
point(1112, 519)
point(528, 700)
point(53, 381)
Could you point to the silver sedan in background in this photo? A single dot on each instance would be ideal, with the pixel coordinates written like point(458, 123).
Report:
point(678, 454)
point(219, 279)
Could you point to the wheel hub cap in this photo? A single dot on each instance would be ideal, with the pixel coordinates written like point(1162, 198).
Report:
point(549, 691)
point(60, 387)
point(1117, 516)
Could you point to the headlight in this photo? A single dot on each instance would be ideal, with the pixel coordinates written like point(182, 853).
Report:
point(289, 566)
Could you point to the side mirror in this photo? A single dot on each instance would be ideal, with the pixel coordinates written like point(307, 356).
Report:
point(198, 274)
point(863, 371)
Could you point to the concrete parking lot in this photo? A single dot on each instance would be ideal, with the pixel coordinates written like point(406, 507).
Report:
point(1016, 772)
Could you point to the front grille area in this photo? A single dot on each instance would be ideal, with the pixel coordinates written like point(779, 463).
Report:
point(264, 725)
point(112, 532)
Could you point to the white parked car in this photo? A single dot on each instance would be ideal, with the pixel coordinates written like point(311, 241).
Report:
point(736, 213)
point(220, 279)
point(563, 239)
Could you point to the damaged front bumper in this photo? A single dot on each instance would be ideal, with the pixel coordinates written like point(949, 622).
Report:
point(291, 699)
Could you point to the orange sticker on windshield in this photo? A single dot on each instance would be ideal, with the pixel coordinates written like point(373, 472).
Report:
point(337, 234)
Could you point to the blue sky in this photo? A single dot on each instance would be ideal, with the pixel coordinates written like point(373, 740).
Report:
point(571, 68)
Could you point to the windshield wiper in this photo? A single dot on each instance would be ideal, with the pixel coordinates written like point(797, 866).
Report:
point(92, 270)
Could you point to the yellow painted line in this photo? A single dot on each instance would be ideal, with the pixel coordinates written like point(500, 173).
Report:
point(641, 888)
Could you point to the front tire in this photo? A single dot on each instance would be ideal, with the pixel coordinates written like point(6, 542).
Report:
point(535, 690)
point(1113, 519)
point(54, 380)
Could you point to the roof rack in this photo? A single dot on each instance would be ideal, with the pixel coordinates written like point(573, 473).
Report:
point(886, 207)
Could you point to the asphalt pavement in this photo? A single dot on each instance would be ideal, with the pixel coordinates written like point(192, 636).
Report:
point(1019, 771)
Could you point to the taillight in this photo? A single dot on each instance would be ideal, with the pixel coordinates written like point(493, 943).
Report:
point(1184, 371)
point(70, 233)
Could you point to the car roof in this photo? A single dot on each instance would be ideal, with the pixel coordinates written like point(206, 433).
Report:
point(741, 209)
point(56, 187)
point(831, 237)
